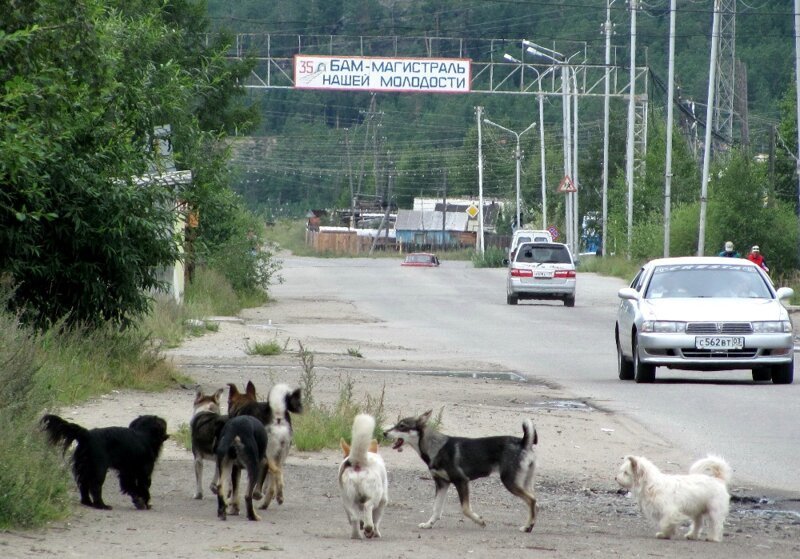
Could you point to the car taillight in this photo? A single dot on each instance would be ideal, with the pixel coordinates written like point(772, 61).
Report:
point(521, 273)
point(564, 274)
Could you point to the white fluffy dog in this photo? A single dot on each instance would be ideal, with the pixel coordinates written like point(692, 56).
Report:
point(362, 480)
point(668, 499)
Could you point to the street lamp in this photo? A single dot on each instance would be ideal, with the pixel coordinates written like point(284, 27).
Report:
point(518, 158)
point(540, 96)
point(570, 138)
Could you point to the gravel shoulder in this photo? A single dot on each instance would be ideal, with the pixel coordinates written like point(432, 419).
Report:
point(582, 512)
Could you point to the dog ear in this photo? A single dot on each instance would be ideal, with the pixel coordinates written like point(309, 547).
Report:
point(635, 466)
point(294, 402)
point(251, 389)
point(232, 390)
point(373, 446)
point(198, 395)
point(345, 447)
point(218, 394)
point(423, 419)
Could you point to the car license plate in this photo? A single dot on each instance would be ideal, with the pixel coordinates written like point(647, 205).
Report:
point(543, 273)
point(719, 342)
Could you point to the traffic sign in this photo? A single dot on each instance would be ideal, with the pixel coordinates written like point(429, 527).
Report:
point(566, 185)
point(553, 231)
point(472, 211)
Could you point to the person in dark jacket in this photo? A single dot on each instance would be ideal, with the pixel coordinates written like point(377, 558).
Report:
point(729, 251)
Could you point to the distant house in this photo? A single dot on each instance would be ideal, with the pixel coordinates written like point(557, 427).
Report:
point(418, 229)
point(491, 210)
point(165, 174)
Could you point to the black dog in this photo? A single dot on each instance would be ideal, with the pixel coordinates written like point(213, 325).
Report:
point(132, 451)
point(242, 444)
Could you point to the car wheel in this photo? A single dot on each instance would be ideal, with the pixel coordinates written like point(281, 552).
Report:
point(783, 374)
point(624, 367)
point(760, 375)
point(569, 301)
point(511, 299)
point(642, 372)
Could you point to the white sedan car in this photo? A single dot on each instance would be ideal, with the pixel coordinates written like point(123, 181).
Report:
point(707, 314)
point(541, 271)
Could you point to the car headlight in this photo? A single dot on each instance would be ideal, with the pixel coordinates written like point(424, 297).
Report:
point(772, 327)
point(663, 326)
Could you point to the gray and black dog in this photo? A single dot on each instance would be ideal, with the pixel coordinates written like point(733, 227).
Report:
point(205, 426)
point(242, 444)
point(459, 460)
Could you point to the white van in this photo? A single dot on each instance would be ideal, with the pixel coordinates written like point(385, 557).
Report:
point(527, 236)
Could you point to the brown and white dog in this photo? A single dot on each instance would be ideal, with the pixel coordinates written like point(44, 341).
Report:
point(275, 414)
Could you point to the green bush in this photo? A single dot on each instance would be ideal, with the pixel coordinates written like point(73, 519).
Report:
point(33, 486)
point(492, 257)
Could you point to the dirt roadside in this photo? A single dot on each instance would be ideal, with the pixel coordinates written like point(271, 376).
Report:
point(582, 513)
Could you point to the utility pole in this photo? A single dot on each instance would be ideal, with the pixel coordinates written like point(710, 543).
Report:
point(797, 86)
point(541, 156)
point(444, 206)
point(518, 157)
point(701, 240)
point(608, 30)
point(350, 175)
point(670, 117)
point(385, 218)
point(479, 240)
point(631, 117)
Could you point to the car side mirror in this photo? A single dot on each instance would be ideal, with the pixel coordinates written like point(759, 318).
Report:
point(576, 261)
point(629, 293)
point(505, 261)
point(784, 293)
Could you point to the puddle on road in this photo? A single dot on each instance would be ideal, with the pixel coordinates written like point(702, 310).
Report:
point(570, 405)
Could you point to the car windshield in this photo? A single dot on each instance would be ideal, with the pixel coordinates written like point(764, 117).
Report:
point(544, 254)
point(707, 281)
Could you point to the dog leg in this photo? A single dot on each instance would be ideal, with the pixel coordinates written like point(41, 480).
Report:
point(527, 496)
point(222, 507)
point(714, 526)
point(273, 475)
point(369, 526)
point(198, 477)
point(463, 496)
point(251, 512)
point(233, 504)
point(438, 502)
point(667, 528)
point(377, 514)
point(694, 529)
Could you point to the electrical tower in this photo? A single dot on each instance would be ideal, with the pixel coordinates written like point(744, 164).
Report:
point(726, 71)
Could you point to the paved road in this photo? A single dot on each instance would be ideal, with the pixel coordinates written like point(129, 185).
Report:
point(460, 313)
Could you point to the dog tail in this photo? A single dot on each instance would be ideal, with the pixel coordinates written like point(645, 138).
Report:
point(713, 466)
point(529, 435)
point(363, 427)
point(61, 432)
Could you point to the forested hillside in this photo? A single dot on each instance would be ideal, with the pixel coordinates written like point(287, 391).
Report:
point(314, 147)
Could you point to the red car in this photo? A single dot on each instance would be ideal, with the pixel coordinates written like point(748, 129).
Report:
point(424, 259)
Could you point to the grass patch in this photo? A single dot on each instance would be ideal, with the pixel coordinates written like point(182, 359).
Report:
point(322, 426)
point(183, 436)
point(615, 266)
point(354, 352)
point(271, 347)
point(492, 257)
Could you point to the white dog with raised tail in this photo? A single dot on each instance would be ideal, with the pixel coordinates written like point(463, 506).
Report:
point(669, 499)
point(362, 480)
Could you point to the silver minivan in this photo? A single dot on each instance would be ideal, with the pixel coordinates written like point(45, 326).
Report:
point(541, 271)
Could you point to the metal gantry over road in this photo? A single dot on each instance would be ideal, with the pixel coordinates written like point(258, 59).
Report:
point(498, 66)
